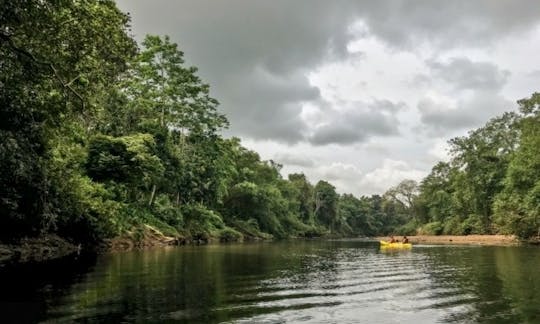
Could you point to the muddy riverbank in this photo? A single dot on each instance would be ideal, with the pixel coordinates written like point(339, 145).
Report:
point(460, 239)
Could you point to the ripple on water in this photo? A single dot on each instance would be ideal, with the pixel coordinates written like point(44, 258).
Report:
point(389, 284)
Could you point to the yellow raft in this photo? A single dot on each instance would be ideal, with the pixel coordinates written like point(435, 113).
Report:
point(397, 245)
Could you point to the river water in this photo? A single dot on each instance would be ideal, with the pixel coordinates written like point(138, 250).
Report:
point(345, 281)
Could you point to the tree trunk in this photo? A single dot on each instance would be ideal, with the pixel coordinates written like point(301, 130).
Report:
point(152, 195)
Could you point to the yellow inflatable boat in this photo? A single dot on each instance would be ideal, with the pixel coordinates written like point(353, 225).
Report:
point(397, 245)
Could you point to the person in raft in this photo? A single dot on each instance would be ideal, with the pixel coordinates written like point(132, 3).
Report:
point(392, 239)
point(405, 240)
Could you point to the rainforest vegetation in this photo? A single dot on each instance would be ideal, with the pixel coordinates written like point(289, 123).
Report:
point(101, 137)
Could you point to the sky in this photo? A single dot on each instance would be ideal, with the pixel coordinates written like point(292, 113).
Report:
point(363, 94)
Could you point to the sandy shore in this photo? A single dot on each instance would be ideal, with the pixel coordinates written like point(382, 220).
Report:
point(460, 239)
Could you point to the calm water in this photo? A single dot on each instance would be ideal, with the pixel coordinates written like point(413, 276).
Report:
point(286, 282)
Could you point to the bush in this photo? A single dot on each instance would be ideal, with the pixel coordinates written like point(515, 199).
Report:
point(314, 231)
point(452, 226)
point(407, 229)
point(433, 228)
point(472, 225)
point(201, 223)
point(89, 214)
point(136, 217)
point(230, 235)
point(250, 228)
point(165, 211)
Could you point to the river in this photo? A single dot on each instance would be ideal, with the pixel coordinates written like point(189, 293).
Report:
point(347, 281)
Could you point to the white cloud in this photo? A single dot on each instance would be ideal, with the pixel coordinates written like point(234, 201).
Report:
point(389, 174)
point(440, 150)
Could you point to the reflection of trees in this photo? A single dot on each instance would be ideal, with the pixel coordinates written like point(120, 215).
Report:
point(188, 284)
point(503, 281)
point(27, 290)
point(518, 270)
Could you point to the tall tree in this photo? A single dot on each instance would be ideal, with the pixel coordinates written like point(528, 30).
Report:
point(517, 207)
point(326, 200)
point(57, 56)
point(483, 157)
point(305, 196)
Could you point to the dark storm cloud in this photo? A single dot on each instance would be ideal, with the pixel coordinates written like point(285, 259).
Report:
point(448, 24)
point(465, 74)
point(255, 54)
point(357, 124)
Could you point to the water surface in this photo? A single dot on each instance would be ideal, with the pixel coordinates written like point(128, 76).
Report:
point(283, 282)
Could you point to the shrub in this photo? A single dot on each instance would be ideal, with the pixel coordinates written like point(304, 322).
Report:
point(201, 223)
point(472, 225)
point(433, 228)
point(250, 228)
point(452, 226)
point(314, 231)
point(90, 214)
point(230, 235)
point(165, 211)
point(407, 229)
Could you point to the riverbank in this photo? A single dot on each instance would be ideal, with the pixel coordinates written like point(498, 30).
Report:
point(51, 247)
point(460, 239)
point(39, 249)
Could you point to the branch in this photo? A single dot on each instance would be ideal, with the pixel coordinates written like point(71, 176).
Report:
point(21, 52)
point(74, 79)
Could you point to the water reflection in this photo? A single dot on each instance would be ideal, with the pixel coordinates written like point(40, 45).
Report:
point(315, 282)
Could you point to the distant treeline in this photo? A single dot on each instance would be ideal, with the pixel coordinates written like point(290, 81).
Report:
point(99, 138)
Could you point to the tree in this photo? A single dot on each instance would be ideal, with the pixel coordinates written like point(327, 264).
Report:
point(517, 206)
point(162, 91)
point(357, 213)
point(404, 194)
point(435, 202)
point(326, 200)
point(304, 197)
point(51, 81)
point(483, 157)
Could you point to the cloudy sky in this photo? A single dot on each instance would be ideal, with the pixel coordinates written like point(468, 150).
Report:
point(359, 93)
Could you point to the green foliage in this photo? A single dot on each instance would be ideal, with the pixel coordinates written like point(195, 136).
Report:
point(164, 92)
point(517, 207)
point(326, 200)
point(473, 224)
point(491, 183)
point(304, 196)
point(452, 226)
point(201, 223)
point(433, 228)
point(48, 79)
point(358, 214)
point(127, 159)
point(230, 235)
point(250, 228)
point(90, 213)
point(264, 204)
point(164, 210)
point(408, 229)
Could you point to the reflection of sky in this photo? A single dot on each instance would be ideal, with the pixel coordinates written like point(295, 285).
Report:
point(363, 286)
